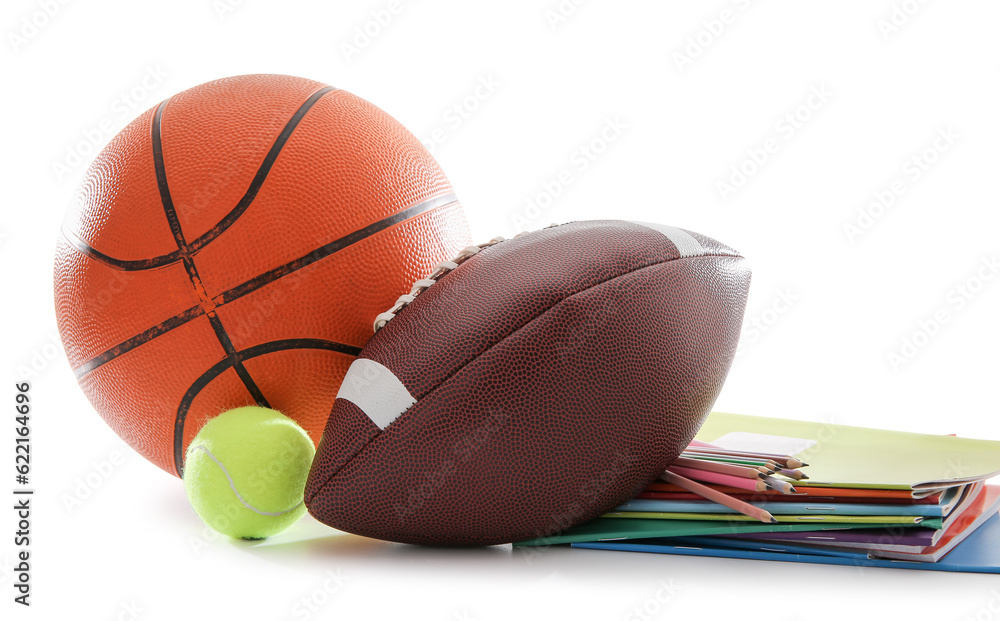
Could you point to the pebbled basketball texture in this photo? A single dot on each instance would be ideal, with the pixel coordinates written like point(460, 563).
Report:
point(232, 245)
point(542, 382)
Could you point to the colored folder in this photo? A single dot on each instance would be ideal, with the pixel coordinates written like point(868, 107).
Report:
point(858, 457)
point(777, 506)
point(905, 498)
point(968, 517)
point(867, 520)
point(804, 491)
point(897, 540)
point(611, 529)
point(979, 553)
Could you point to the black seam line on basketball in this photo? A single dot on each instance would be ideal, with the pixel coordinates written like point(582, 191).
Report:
point(189, 266)
point(121, 264)
point(161, 180)
point(262, 172)
point(227, 221)
point(173, 257)
point(235, 361)
point(137, 340)
point(326, 250)
point(173, 221)
point(258, 282)
point(505, 337)
point(218, 368)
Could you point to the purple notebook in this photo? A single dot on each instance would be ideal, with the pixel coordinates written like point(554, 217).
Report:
point(900, 540)
point(910, 540)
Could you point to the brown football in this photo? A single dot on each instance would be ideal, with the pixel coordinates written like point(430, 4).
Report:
point(543, 381)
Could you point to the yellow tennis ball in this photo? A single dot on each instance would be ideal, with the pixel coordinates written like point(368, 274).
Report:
point(245, 472)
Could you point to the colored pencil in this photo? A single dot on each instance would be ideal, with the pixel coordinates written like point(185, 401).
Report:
point(716, 496)
point(729, 460)
point(753, 485)
point(782, 486)
point(798, 475)
point(714, 466)
point(711, 448)
point(784, 460)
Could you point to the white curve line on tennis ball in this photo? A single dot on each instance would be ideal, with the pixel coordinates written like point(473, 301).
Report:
point(232, 486)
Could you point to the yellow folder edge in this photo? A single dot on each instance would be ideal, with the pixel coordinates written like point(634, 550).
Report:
point(860, 457)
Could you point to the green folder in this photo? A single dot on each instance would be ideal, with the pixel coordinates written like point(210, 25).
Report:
point(832, 520)
point(845, 456)
point(613, 529)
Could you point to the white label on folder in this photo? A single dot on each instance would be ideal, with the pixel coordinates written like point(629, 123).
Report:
point(763, 443)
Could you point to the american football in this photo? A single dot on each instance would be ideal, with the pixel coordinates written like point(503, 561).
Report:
point(530, 385)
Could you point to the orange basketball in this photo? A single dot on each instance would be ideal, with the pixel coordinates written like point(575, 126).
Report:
point(233, 246)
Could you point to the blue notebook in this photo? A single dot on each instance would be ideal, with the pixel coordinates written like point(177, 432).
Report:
point(979, 553)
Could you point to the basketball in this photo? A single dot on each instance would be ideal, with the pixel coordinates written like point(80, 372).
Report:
point(233, 245)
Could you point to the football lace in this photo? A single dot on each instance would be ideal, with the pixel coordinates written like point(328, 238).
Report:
point(421, 285)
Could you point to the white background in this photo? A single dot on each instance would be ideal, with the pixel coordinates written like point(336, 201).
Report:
point(694, 94)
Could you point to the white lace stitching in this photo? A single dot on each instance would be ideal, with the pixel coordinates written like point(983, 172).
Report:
point(421, 285)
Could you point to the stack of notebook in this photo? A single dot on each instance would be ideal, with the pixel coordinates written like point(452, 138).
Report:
point(824, 494)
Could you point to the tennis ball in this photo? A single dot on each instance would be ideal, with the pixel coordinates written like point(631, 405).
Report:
point(245, 472)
